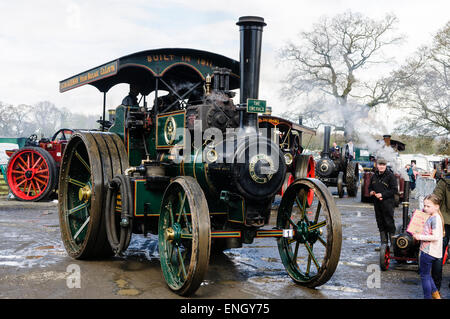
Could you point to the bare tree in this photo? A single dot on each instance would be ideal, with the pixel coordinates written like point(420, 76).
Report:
point(48, 117)
point(327, 61)
point(425, 88)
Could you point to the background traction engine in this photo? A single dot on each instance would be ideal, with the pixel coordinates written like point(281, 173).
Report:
point(289, 136)
point(336, 170)
point(152, 172)
point(32, 171)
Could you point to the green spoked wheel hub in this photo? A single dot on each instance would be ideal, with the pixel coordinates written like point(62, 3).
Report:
point(184, 235)
point(303, 234)
point(89, 161)
point(312, 253)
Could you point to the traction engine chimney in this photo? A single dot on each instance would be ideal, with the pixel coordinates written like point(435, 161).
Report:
point(250, 28)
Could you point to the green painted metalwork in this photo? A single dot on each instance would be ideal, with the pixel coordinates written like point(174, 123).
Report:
point(20, 141)
point(145, 65)
point(170, 130)
point(133, 144)
point(118, 126)
point(144, 196)
point(96, 74)
point(235, 206)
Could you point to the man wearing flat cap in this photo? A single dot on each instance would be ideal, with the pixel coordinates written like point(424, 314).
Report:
point(382, 188)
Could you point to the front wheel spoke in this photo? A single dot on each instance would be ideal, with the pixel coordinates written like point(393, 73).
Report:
point(316, 218)
point(320, 239)
point(317, 226)
point(169, 208)
point(296, 252)
point(302, 207)
point(288, 216)
point(308, 267)
point(181, 260)
point(311, 254)
point(181, 206)
point(170, 252)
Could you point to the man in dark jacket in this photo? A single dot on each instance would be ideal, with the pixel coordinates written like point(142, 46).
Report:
point(131, 98)
point(383, 187)
point(442, 190)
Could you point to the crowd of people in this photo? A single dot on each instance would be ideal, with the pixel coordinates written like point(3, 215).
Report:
point(435, 234)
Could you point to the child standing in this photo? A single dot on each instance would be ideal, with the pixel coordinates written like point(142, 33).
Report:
point(431, 245)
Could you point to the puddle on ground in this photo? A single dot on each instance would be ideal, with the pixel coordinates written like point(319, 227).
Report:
point(350, 263)
point(339, 288)
point(29, 256)
point(125, 289)
point(143, 247)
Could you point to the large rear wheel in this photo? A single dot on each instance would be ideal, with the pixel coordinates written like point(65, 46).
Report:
point(312, 254)
point(89, 161)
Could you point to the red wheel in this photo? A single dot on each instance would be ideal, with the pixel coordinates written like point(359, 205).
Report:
point(444, 259)
point(305, 166)
point(288, 180)
point(385, 257)
point(31, 174)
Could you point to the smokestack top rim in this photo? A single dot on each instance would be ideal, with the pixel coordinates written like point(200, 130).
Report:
point(251, 20)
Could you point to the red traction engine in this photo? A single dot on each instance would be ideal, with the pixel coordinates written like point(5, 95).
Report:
point(32, 171)
point(290, 135)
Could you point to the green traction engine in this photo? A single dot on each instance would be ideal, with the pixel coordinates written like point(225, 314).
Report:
point(194, 168)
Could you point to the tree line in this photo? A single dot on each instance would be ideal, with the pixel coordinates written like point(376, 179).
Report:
point(330, 79)
point(42, 118)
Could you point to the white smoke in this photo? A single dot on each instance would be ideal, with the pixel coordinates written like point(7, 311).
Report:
point(360, 121)
point(379, 149)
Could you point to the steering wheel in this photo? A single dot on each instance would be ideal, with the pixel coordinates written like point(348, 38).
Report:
point(33, 138)
point(65, 134)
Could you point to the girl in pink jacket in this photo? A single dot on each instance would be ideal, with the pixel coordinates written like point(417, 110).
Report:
point(431, 245)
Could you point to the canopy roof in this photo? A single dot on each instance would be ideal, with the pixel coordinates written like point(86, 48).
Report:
point(175, 66)
point(274, 120)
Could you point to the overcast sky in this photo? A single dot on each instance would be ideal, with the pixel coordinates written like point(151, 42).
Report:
point(43, 42)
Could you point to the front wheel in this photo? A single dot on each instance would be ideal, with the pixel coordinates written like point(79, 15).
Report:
point(184, 235)
point(312, 254)
point(352, 179)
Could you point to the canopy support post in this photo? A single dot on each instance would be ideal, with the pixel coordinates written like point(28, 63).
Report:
point(155, 107)
point(104, 111)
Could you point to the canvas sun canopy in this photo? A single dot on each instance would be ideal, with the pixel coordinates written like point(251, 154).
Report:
point(176, 66)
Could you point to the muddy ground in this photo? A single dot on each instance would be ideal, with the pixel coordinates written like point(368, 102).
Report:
point(34, 264)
